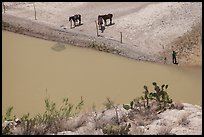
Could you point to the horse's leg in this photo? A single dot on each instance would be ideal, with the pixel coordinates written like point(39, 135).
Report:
point(102, 29)
point(105, 23)
point(75, 23)
point(110, 21)
point(70, 24)
point(100, 26)
point(79, 21)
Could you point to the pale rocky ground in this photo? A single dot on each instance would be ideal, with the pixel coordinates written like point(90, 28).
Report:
point(168, 122)
point(149, 29)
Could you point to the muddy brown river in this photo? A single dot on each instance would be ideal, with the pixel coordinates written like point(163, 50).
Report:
point(32, 66)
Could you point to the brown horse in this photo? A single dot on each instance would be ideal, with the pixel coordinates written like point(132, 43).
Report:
point(75, 19)
point(105, 17)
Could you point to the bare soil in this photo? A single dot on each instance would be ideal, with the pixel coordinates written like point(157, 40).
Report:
point(150, 30)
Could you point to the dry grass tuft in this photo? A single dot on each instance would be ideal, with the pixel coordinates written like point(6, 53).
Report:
point(142, 118)
point(183, 119)
point(164, 130)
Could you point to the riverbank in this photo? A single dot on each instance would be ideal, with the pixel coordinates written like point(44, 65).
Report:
point(183, 119)
point(150, 37)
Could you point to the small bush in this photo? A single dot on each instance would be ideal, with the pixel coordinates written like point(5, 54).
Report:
point(116, 129)
point(165, 130)
point(183, 120)
point(109, 103)
point(48, 122)
point(7, 117)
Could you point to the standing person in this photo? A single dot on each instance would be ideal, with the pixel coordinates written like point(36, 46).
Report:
point(174, 57)
point(100, 22)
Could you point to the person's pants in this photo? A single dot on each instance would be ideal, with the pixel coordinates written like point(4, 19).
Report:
point(174, 60)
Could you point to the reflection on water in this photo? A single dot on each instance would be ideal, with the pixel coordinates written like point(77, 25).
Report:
point(30, 66)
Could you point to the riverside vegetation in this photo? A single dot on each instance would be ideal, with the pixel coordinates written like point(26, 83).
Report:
point(45, 123)
point(52, 120)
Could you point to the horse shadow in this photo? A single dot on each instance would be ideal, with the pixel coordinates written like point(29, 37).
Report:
point(77, 25)
point(110, 24)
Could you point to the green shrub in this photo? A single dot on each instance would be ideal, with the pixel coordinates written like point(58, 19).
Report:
point(116, 129)
point(159, 95)
point(109, 103)
point(7, 117)
point(46, 122)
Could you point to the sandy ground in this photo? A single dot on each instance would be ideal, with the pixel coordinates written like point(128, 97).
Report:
point(149, 29)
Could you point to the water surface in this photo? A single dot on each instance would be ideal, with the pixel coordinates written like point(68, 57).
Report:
point(30, 66)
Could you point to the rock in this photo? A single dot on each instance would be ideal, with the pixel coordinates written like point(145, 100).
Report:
point(184, 131)
point(89, 129)
point(109, 116)
point(191, 115)
point(67, 133)
point(9, 124)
